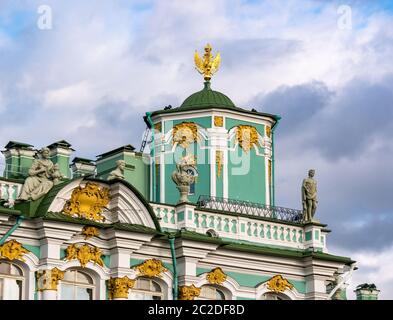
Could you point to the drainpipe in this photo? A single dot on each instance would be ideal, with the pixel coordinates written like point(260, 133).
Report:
point(19, 220)
point(148, 115)
point(272, 191)
point(171, 239)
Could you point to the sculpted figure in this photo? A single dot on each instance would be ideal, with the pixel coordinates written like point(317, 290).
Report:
point(183, 178)
point(309, 196)
point(118, 173)
point(40, 179)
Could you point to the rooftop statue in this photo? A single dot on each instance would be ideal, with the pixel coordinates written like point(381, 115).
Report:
point(309, 196)
point(183, 178)
point(43, 174)
point(118, 173)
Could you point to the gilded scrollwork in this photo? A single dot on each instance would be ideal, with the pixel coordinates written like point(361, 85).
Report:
point(13, 250)
point(279, 284)
point(216, 276)
point(87, 202)
point(247, 137)
point(151, 268)
point(189, 292)
point(84, 254)
point(184, 134)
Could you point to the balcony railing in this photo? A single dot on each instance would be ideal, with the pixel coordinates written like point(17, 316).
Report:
point(250, 208)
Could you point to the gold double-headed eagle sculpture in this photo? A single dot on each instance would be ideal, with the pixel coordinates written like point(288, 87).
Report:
point(208, 65)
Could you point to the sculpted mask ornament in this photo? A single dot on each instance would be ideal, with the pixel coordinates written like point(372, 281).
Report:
point(87, 202)
point(118, 287)
point(12, 250)
point(43, 174)
point(216, 276)
point(279, 284)
point(183, 176)
point(189, 292)
point(247, 137)
point(151, 268)
point(309, 196)
point(84, 254)
point(49, 279)
point(184, 134)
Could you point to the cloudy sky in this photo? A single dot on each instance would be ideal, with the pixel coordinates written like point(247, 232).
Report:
point(325, 68)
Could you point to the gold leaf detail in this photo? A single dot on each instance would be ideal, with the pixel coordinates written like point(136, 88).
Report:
point(12, 250)
point(89, 232)
point(247, 136)
point(268, 131)
point(208, 65)
point(151, 268)
point(219, 162)
point(87, 202)
point(218, 121)
point(279, 284)
point(118, 287)
point(189, 292)
point(49, 279)
point(184, 134)
point(84, 254)
point(216, 276)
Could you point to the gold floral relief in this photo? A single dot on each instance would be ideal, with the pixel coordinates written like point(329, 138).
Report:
point(13, 250)
point(118, 287)
point(279, 284)
point(189, 292)
point(87, 202)
point(219, 162)
point(218, 121)
point(84, 254)
point(89, 232)
point(216, 276)
point(151, 268)
point(184, 134)
point(247, 137)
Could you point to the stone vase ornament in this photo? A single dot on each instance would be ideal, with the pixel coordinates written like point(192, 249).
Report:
point(182, 178)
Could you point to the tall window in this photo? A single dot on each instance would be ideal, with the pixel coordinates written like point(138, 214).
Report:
point(211, 293)
point(77, 285)
point(11, 281)
point(146, 289)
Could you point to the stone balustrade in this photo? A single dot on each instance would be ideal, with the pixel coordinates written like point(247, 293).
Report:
point(9, 190)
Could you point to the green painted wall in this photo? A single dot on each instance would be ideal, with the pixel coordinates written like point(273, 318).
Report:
point(204, 122)
point(36, 250)
point(64, 164)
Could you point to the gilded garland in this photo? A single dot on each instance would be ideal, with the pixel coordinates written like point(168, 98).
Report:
point(189, 292)
point(12, 250)
point(247, 136)
point(87, 202)
point(184, 134)
point(84, 254)
point(216, 276)
point(279, 284)
point(151, 268)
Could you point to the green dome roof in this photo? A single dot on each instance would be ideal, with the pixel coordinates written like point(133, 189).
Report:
point(207, 98)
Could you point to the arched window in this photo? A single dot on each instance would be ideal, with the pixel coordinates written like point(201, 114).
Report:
point(211, 293)
point(274, 296)
point(77, 285)
point(11, 281)
point(146, 289)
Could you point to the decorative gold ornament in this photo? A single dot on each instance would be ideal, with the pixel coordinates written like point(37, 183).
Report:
point(269, 171)
point(84, 254)
point(189, 292)
point(208, 65)
point(49, 279)
point(151, 268)
point(279, 284)
point(87, 202)
point(216, 276)
point(268, 131)
point(118, 287)
point(219, 162)
point(12, 250)
point(89, 232)
point(158, 126)
point(247, 136)
point(184, 134)
point(218, 121)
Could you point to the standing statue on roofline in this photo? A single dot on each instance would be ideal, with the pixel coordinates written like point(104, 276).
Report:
point(309, 197)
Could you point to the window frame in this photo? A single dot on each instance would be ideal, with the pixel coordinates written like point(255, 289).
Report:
point(77, 285)
point(21, 278)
